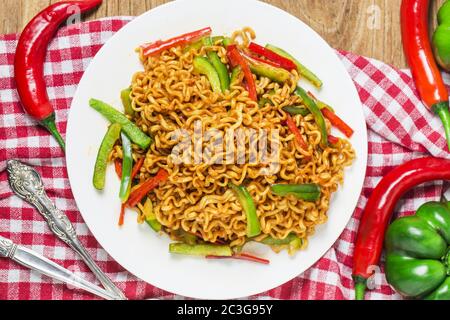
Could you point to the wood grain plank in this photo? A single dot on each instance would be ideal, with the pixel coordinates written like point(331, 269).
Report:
point(366, 27)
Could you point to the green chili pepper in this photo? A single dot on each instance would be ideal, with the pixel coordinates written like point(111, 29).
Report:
point(418, 253)
point(126, 101)
point(306, 192)
point(441, 38)
point(200, 250)
point(275, 74)
point(203, 66)
point(235, 74)
point(248, 205)
point(127, 168)
point(130, 129)
point(111, 136)
point(296, 111)
point(318, 116)
point(220, 67)
point(302, 70)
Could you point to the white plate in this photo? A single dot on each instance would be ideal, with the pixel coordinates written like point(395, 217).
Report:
point(135, 246)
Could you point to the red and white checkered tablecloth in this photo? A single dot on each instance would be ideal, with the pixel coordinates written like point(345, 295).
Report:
point(400, 129)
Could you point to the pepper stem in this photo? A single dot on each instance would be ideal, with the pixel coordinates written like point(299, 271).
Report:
point(441, 109)
point(49, 124)
point(360, 288)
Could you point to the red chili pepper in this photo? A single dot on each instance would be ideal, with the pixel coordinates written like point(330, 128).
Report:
point(137, 195)
point(379, 210)
point(338, 122)
point(272, 56)
point(426, 74)
point(160, 45)
point(236, 59)
point(30, 56)
point(298, 136)
point(242, 256)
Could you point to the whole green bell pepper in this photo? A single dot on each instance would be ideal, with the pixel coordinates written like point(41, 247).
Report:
point(441, 37)
point(418, 253)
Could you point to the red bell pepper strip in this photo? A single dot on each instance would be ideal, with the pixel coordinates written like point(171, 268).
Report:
point(379, 210)
point(242, 256)
point(282, 62)
point(118, 167)
point(159, 46)
point(122, 215)
point(298, 136)
point(236, 59)
point(271, 63)
point(137, 195)
point(426, 74)
point(338, 122)
point(137, 168)
point(332, 139)
point(29, 61)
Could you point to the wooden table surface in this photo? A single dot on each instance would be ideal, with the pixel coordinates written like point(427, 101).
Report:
point(366, 27)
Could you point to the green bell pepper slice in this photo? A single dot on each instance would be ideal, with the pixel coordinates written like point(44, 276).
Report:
point(417, 253)
point(203, 66)
point(235, 73)
point(197, 45)
point(220, 67)
point(131, 130)
point(307, 192)
point(441, 37)
point(150, 217)
point(127, 168)
point(110, 139)
point(227, 41)
point(249, 207)
point(302, 70)
point(264, 101)
point(318, 116)
point(126, 101)
point(186, 237)
point(202, 250)
point(275, 74)
point(217, 39)
point(292, 243)
point(293, 110)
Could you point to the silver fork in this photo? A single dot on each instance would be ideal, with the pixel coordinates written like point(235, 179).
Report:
point(36, 262)
point(27, 184)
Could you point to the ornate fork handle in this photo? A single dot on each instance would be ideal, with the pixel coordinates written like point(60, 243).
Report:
point(28, 185)
point(7, 248)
